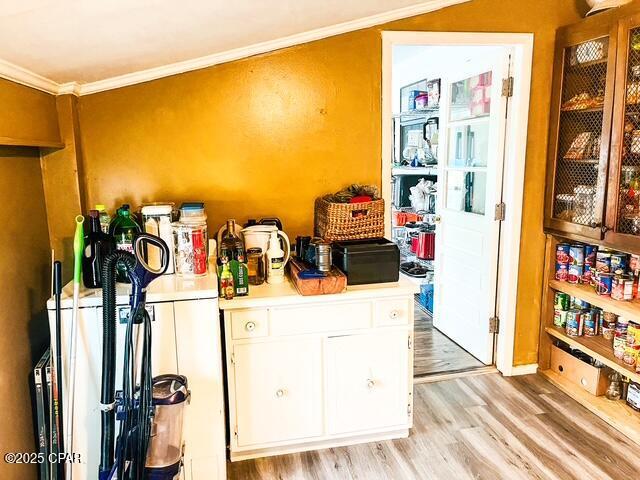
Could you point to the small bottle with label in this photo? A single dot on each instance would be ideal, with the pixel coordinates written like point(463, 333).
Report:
point(275, 260)
point(124, 229)
point(227, 289)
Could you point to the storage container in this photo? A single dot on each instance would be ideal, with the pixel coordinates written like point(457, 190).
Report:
point(588, 377)
point(368, 261)
point(348, 221)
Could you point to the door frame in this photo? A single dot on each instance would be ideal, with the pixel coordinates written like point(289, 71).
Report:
point(514, 162)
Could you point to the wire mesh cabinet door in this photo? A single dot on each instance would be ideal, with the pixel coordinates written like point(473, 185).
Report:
point(580, 129)
point(623, 195)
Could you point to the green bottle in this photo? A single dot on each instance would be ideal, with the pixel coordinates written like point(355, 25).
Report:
point(124, 229)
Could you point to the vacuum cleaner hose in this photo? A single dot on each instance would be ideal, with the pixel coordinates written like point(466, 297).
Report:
point(107, 397)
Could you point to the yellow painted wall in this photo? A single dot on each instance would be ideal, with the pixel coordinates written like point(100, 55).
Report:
point(27, 116)
point(268, 134)
point(24, 289)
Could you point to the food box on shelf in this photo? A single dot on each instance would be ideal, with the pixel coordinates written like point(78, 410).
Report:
point(588, 377)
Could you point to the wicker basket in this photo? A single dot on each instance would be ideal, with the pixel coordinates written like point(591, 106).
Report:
point(349, 221)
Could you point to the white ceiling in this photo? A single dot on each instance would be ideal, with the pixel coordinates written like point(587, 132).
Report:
point(86, 41)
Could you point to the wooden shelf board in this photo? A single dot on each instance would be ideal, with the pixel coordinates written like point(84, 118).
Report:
point(18, 142)
point(597, 347)
point(583, 110)
point(616, 413)
point(628, 309)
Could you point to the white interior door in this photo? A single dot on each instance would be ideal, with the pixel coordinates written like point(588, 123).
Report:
point(469, 187)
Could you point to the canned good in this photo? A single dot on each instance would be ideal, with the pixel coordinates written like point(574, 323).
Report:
point(628, 289)
point(608, 329)
point(617, 288)
point(562, 301)
point(574, 324)
point(590, 255)
point(633, 334)
point(603, 262)
point(576, 254)
point(619, 263)
point(619, 346)
point(562, 253)
point(622, 327)
point(562, 272)
point(604, 284)
point(587, 274)
point(590, 324)
point(630, 355)
point(560, 318)
point(574, 274)
point(579, 304)
point(634, 265)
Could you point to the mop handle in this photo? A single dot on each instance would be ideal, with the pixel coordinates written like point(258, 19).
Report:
point(78, 250)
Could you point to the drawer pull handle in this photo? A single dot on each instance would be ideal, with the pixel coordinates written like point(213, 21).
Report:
point(393, 314)
point(280, 393)
point(371, 383)
point(250, 326)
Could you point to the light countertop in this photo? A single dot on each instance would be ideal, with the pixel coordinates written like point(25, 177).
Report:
point(286, 294)
point(167, 288)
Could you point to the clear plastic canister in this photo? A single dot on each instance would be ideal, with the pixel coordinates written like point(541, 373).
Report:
point(156, 220)
point(190, 240)
point(170, 395)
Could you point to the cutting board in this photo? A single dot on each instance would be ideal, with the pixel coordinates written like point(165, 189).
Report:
point(334, 282)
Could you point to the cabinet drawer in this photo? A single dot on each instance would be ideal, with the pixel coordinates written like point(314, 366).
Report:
point(278, 391)
point(320, 318)
point(249, 323)
point(367, 381)
point(393, 311)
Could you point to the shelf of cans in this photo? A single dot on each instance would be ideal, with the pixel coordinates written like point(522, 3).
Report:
point(611, 274)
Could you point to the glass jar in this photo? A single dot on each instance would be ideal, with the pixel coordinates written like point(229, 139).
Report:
point(614, 390)
point(255, 266)
point(190, 239)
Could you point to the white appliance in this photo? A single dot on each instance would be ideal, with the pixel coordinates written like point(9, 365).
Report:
point(259, 235)
point(186, 340)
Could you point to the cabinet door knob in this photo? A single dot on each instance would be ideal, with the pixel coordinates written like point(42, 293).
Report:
point(437, 219)
point(371, 383)
point(250, 326)
point(394, 314)
point(280, 393)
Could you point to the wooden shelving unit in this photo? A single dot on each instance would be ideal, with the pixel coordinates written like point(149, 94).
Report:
point(616, 413)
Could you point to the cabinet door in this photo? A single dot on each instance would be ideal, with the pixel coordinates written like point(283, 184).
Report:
point(278, 391)
point(623, 202)
point(200, 360)
point(368, 381)
point(580, 128)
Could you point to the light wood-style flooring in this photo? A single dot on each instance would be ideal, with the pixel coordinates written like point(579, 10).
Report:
point(436, 353)
point(484, 427)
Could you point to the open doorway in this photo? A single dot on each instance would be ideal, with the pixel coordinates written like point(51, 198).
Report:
point(451, 121)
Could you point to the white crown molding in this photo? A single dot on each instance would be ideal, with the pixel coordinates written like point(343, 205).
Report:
point(17, 74)
point(70, 88)
point(28, 78)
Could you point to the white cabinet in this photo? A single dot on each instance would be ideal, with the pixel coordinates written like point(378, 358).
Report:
point(278, 391)
point(367, 381)
point(306, 373)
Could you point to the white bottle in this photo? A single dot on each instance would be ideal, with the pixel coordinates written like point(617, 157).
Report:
point(275, 260)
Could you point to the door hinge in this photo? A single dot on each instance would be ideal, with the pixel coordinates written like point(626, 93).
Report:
point(409, 343)
point(494, 325)
point(235, 431)
point(507, 87)
point(500, 211)
point(233, 358)
point(408, 410)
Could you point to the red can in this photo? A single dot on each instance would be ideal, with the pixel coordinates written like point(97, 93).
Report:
point(199, 252)
point(426, 245)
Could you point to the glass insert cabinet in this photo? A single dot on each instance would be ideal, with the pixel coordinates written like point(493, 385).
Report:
point(593, 173)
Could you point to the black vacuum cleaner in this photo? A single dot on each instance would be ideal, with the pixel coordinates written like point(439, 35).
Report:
point(142, 397)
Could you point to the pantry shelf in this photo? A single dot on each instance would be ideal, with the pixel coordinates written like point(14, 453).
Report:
point(597, 347)
point(616, 413)
point(629, 309)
